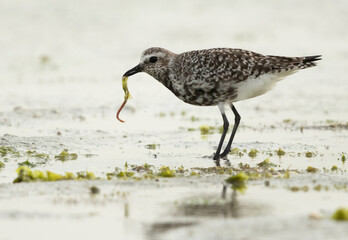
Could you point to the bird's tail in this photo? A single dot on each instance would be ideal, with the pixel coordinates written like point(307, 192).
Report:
point(309, 61)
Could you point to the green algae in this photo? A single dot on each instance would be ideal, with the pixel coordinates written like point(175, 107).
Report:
point(26, 174)
point(2, 165)
point(94, 190)
point(147, 166)
point(35, 154)
point(8, 151)
point(343, 158)
point(266, 163)
point(286, 175)
point(312, 169)
point(244, 166)
point(288, 120)
point(280, 152)
point(152, 146)
point(181, 169)
point(238, 182)
point(27, 163)
point(162, 114)
point(253, 153)
point(194, 119)
point(319, 187)
point(309, 154)
point(125, 174)
point(214, 170)
point(236, 151)
point(66, 156)
point(85, 175)
point(334, 168)
point(341, 214)
point(297, 189)
point(206, 130)
point(166, 172)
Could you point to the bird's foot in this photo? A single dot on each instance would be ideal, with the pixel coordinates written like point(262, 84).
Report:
point(216, 156)
point(220, 156)
point(224, 154)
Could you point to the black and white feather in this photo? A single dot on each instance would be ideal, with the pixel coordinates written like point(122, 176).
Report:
point(220, 75)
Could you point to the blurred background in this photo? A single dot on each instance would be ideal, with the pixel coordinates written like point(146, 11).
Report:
point(47, 42)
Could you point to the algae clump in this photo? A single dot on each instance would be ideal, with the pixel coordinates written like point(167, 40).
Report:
point(126, 97)
point(280, 152)
point(152, 146)
point(25, 174)
point(94, 190)
point(341, 214)
point(205, 129)
point(286, 175)
point(35, 154)
point(253, 153)
point(2, 165)
point(85, 175)
point(4, 151)
point(66, 156)
point(166, 172)
point(125, 174)
point(238, 182)
point(312, 169)
point(236, 151)
point(266, 163)
point(27, 163)
point(309, 154)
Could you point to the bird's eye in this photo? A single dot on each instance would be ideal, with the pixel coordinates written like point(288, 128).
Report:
point(153, 59)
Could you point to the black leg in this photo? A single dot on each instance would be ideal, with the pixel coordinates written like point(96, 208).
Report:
point(225, 128)
point(236, 123)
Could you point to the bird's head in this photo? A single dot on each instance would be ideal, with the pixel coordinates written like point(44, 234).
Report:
point(154, 61)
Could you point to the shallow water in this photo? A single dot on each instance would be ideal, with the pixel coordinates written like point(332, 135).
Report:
point(61, 69)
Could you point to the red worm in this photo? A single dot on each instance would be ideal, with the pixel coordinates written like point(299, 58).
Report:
point(119, 110)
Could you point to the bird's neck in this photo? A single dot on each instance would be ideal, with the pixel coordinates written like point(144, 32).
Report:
point(162, 76)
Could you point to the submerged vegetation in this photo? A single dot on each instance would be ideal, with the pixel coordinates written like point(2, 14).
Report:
point(205, 129)
point(341, 214)
point(152, 146)
point(66, 156)
point(26, 174)
point(166, 172)
point(8, 151)
point(27, 163)
point(266, 163)
point(280, 152)
point(37, 155)
point(238, 182)
point(133, 172)
point(311, 169)
point(253, 153)
point(309, 154)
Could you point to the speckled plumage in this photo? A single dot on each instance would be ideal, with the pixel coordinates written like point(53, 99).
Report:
point(218, 76)
point(212, 76)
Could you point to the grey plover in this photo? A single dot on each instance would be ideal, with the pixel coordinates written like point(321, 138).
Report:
point(218, 76)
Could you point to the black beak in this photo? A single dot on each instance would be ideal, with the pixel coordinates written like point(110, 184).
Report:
point(133, 71)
